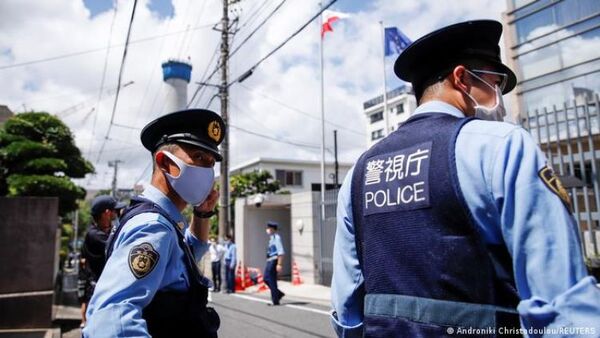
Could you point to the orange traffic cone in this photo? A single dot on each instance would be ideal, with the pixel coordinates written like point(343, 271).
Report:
point(239, 286)
point(261, 282)
point(296, 280)
point(247, 280)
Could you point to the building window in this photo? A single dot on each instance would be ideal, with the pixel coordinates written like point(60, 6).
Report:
point(377, 134)
point(376, 117)
point(400, 108)
point(289, 177)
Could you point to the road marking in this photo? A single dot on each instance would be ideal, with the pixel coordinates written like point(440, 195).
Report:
point(27, 294)
point(307, 309)
point(251, 298)
point(298, 307)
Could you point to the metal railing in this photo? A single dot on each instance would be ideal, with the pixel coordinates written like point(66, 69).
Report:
point(570, 137)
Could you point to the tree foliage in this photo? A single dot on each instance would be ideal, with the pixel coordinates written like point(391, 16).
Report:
point(38, 157)
point(255, 182)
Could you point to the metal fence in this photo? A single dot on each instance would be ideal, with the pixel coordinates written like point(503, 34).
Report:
point(570, 137)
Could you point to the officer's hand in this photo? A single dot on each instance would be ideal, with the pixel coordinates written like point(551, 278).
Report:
point(210, 202)
point(279, 268)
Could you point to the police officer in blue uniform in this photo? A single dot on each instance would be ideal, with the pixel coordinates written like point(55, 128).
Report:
point(150, 285)
point(230, 263)
point(455, 221)
point(274, 264)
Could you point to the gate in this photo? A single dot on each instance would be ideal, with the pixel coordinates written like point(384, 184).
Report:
point(569, 135)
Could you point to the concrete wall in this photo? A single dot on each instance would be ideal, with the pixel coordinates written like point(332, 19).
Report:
point(250, 234)
point(28, 265)
point(305, 235)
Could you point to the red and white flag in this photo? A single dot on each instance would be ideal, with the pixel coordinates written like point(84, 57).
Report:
point(329, 17)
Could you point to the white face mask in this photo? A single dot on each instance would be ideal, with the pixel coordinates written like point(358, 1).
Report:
point(193, 183)
point(495, 113)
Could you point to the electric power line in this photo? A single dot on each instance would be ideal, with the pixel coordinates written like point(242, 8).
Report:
point(254, 15)
point(94, 50)
point(249, 71)
point(112, 117)
point(262, 59)
point(112, 24)
point(257, 28)
point(307, 145)
point(301, 111)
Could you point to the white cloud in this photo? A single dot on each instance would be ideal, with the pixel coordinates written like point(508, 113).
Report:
point(31, 30)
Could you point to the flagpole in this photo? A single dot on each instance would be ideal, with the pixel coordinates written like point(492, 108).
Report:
point(385, 114)
point(321, 223)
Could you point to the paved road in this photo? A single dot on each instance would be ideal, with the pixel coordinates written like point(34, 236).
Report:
point(249, 316)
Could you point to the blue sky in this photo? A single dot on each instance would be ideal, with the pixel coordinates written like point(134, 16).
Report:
point(164, 8)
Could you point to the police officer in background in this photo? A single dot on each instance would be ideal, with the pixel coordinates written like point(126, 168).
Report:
point(230, 263)
point(216, 251)
point(455, 220)
point(151, 284)
point(274, 264)
point(104, 210)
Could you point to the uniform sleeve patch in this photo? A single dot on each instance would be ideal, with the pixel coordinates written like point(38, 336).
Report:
point(553, 183)
point(397, 181)
point(142, 259)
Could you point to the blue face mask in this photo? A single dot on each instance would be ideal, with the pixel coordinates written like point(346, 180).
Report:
point(193, 183)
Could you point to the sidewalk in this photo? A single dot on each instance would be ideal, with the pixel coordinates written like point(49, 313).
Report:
point(311, 293)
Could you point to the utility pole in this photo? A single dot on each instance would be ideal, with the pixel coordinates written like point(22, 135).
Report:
point(114, 164)
point(224, 95)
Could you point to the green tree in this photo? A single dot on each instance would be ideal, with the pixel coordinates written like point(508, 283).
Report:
point(255, 182)
point(38, 157)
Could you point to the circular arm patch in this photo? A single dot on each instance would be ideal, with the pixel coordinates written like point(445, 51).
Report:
point(142, 259)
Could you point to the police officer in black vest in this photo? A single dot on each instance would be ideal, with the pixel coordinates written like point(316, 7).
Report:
point(151, 284)
point(104, 210)
point(454, 225)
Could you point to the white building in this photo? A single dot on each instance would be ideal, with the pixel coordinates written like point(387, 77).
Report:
point(298, 214)
point(295, 175)
point(400, 104)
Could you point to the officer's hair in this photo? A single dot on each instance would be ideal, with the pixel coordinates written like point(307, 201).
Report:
point(434, 84)
point(170, 147)
point(432, 90)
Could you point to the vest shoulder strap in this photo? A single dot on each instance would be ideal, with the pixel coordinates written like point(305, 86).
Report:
point(141, 205)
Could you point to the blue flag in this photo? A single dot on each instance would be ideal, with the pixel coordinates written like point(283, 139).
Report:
point(395, 41)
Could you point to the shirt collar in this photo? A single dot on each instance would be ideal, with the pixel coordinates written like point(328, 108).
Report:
point(152, 193)
point(438, 107)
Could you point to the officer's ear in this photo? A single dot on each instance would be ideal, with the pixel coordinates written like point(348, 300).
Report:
point(165, 164)
point(163, 161)
point(459, 79)
point(159, 160)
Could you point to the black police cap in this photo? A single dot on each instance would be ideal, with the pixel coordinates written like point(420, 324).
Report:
point(438, 52)
point(104, 202)
point(273, 224)
point(198, 127)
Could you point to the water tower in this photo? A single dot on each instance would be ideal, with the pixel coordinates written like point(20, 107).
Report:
point(177, 75)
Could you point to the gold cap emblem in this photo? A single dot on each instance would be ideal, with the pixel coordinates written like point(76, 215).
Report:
point(214, 131)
